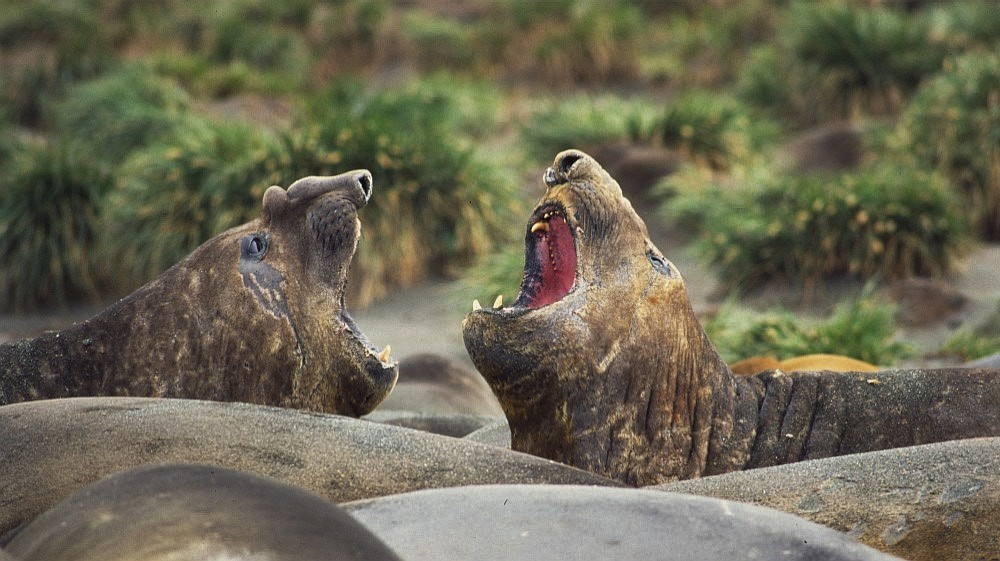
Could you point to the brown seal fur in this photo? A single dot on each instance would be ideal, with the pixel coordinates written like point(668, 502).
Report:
point(174, 512)
point(255, 314)
point(609, 370)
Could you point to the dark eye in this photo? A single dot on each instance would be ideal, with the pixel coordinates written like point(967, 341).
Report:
point(659, 264)
point(254, 246)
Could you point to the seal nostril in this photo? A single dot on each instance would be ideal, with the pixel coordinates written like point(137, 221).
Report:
point(568, 161)
point(366, 185)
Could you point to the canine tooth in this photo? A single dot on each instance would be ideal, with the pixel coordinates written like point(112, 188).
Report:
point(498, 303)
point(540, 225)
point(384, 355)
point(476, 305)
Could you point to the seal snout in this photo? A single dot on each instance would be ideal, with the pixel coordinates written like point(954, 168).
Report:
point(357, 185)
point(364, 181)
point(563, 166)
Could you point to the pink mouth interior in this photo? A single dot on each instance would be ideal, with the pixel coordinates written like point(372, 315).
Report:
point(550, 265)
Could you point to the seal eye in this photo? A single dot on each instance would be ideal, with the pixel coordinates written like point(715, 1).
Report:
point(659, 264)
point(254, 246)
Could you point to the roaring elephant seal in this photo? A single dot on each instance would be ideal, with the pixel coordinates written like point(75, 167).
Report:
point(51, 448)
point(255, 314)
point(566, 522)
point(923, 503)
point(600, 362)
point(176, 512)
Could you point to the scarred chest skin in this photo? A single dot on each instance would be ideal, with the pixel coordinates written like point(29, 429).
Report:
point(255, 314)
point(619, 378)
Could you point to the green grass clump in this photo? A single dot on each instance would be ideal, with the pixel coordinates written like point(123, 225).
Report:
point(887, 222)
point(976, 342)
point(860, 328)
point(870, 58)
point(177, 193)
point(585, 122)
point(967, 345)
point(594, 43)
point(836, 61)
point(954, 123)
point(115, 114)
point(716, 131)
point(49, 201)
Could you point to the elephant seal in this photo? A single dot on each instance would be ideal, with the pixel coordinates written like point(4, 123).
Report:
point(923, 503)
point(255, 314)
point(600, 362)
point(51, 448)
point(175, 512)
point(519, 522)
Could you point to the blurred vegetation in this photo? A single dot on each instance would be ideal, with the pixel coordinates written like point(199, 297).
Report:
point(49, 208)
point(861, 328)
point(970, 343)
point(954, 123)
point(884, 222)
point(455, 106)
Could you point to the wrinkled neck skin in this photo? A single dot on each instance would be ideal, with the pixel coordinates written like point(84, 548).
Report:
point(600, 397)
point(617, 377)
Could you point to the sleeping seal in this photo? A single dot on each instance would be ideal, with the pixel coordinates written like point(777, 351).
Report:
point(600, 362)
point(255, 314)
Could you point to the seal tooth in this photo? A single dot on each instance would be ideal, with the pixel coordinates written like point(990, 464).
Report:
point(540, 225)
point(383, 356)
point(476, 305)
point(498, 303)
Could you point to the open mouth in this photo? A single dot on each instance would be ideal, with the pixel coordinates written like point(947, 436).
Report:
point(385, 360)
point(549, 258)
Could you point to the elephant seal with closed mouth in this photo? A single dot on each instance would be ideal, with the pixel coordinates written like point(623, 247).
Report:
point(255, 314)
point(600, 362)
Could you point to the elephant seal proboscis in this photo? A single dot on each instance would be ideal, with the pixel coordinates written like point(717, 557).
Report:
point(255, 314)
point(177, 512)
point(600, 362)
point(923, 503)
point(51, 448)
point(566, 522)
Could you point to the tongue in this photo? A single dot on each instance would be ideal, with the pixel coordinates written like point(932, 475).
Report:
point(557, 256)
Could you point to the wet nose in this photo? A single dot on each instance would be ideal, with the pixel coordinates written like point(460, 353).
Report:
point(559, 172)
point(363, 178)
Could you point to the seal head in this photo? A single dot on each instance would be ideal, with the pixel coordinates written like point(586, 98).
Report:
point(296, 262)
point(577, 337)
point(255, 314)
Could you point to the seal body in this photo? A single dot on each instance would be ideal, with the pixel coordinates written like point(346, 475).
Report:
point(49, 449)
point(255, 314)
point(517, 522)
point(173, 512)
point(924, 503)
point(601, 363)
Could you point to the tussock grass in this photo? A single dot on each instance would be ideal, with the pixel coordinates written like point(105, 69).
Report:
point(860, 328)
point(49, 209)
point(954, 123)
point(886, 222)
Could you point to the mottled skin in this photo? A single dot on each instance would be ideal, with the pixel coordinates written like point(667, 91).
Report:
point(256, 314)
point(617, 376)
